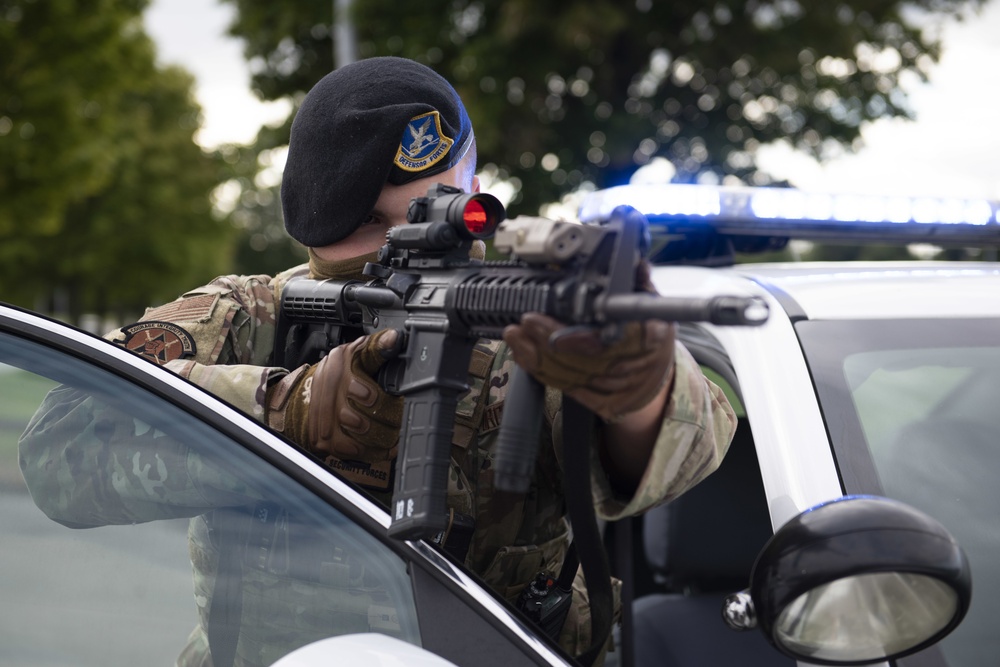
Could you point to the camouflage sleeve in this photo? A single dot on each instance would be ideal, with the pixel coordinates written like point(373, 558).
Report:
point(698, 426)
point(242, 385)
point(88, 464)
point(227, 332)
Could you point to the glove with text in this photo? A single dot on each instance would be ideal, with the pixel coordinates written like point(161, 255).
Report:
point(336, 408)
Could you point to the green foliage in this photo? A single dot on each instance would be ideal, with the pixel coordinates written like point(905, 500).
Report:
point(568, 92)
point(57, 87)
point(252, 184)
point(104, 196)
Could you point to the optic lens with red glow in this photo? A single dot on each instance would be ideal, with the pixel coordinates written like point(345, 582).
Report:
point(474, 215)
point(475, 218)
point(480, 214)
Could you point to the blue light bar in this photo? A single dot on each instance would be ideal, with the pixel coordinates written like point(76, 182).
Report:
point(790, 213)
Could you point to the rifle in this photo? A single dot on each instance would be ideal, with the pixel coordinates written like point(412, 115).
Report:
point(425, 285)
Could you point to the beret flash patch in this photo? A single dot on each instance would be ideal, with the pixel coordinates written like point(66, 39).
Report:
point(423, 144)
point(158, 341)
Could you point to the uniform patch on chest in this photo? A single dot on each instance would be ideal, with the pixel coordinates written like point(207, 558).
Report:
point(158, 341)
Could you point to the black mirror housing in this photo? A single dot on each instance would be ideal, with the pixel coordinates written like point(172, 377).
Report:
point(858, 580)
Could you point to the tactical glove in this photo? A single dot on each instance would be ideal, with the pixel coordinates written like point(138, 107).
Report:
point(336, 408)
point(612, 380)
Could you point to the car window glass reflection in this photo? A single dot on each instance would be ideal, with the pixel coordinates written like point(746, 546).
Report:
point(933, 427)
point(136, 532)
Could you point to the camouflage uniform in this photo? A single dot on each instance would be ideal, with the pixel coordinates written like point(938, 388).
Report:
point(232, 321)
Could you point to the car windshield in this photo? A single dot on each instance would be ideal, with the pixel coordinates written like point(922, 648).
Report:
point(913, 411)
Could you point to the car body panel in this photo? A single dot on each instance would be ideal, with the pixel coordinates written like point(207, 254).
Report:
point(856, 290)
point(369, 649)
point(799, 465)
point(796, 462)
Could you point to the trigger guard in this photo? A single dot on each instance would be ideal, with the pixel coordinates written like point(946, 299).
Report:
point(390, 375)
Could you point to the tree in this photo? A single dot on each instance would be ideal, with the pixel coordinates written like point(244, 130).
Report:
point(250, 196)
point(150, 232)
point(104, 196)
point(567, 92)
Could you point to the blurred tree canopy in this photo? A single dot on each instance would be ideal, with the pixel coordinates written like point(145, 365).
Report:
point(250, 197)
point(104, 196)
point(565, 93)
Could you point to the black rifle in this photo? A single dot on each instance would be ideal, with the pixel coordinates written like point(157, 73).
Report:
point(425, 285)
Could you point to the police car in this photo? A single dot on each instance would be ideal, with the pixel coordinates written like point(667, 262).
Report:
point(841, 529)
point(868, 379)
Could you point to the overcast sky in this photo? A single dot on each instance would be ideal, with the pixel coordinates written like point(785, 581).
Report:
point(952, 149)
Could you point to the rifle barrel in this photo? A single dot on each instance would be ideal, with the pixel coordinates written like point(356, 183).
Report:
point(725, 310)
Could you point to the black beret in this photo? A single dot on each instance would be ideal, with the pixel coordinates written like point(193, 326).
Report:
point(375, 121)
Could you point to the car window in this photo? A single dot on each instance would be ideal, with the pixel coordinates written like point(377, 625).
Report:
point(132, 528)
point(919, 398)
point(897, 390)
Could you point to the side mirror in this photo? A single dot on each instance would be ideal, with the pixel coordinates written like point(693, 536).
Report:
point(856, 580)
point(361, 650)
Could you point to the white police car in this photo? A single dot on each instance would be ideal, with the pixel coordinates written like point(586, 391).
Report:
point(842, 393)
point(868, 379)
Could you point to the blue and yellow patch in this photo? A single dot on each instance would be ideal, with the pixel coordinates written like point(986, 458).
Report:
point(424, 143)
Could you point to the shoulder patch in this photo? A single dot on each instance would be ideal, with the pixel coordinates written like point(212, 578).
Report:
point(423, 143)
point(158, 341)
point(191, 309)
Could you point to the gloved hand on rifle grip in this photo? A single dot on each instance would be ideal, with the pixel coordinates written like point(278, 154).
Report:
point(612, 380)
point(338, 408)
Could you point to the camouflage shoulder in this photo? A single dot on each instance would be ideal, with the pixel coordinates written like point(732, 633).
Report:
point(196, 324)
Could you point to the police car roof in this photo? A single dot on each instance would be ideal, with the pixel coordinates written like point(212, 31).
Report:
point(873, 290)
point(849, 290)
